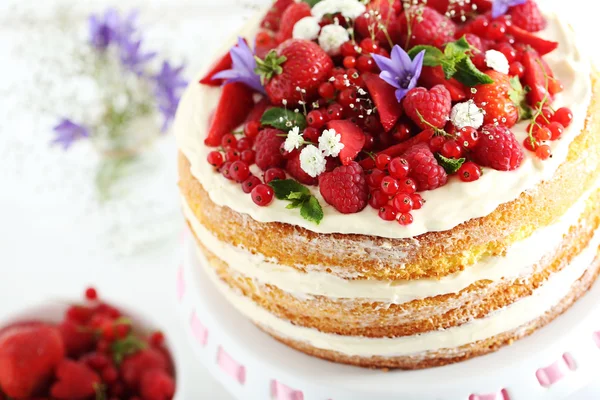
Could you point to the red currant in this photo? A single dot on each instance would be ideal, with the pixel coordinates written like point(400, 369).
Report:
point(262, 195)
point(369, 142)
point(157, 339)
point(387, 213)
point(496, 30)
point(404, 218)
point(401, 132)
point(543, 152)
point(274, 173)
point(327, 90)
point(244, 143)
point(232, 155)
point(368, 45)
point(250, 184)
point(451, 149)
point(543, 134)
point(349, 61)
point(509, 52)
point(516, 69)
point(417, 200)
point(389, 185)
point(248, 156)
point(215, 159)
point(340, 83)
point(91, 294)
point(311, 134)
point(335, 112)
point(480, 25)
point(556, 129)
point(315, 119)
point(407, 186)
point(375, 177)
point(228, 141)
point(347, 97)
point(382, 161)
point(564, 116)
point(348, 48)
point(468, 137)
point(555, 86)
point(110, 374)
point(398, 168)
point(479, 61)
point(402, 202)
point(530, 144)
point(239, 171)
point(436, 143)
point(365, 64)
point(225, 170)
point(469, 172)
point(378, 199)
point(251, 129)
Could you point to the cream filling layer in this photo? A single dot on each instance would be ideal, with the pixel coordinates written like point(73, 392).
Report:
point(445, 207)
point(519, 260)
point(509, 318)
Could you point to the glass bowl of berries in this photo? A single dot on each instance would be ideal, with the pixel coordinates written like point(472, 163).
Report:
point(90, 350)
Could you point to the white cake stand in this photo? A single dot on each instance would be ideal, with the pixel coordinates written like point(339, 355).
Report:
point(553, 363)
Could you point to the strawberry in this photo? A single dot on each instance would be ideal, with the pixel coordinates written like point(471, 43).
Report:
point(134, 366)
point(221, 65)
point(156, 384)
point(272, 19)
point(296, 64)
point(496, 100)
point(384, 96)
point(235, 104)
point(542, 46)
point(77, 338)
point(432, 76)
point(291, 15)
point(267, 146)
point(74, 380)
point(29, 354)
point(536, 71)
point(426, 26)
point(367, 25)
point(428, 107)
point(527, 16)
point(497, 148)
point(259, 109)
point(294, 169)
point(264, 43)
point(352, 137)
point(345, 188)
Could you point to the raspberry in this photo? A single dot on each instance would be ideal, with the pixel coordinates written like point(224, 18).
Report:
point(475, 41)
point(433, 105)
point(424, 168)
point(528, 16)
point(345, 188)
point(497, 148)
point(134, 366)
point(294, 169)
point(274, 173)
point(427, 26)
point(267, 148)
point(75, 380)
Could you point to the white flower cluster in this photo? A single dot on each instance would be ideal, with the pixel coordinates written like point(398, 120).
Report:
point(497, 61)
point(466, 114)
point(294, 140)
point(348, 8)
point(332, 37)
point(307, 28)
point(312, 158)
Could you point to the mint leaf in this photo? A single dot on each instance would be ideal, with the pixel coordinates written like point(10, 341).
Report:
point(450, 165)
point(283, 188)
point(129, 345)
point(311, 3)
point(433, 55)
point(457, 49)
point(518, 96)
point(295, 204)
point(468, 74)
point(283, 119)
point(311, 210)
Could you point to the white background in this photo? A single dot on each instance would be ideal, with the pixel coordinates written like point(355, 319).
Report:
point(55, 238)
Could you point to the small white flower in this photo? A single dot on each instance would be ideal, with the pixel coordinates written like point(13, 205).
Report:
point(348, 8)
point(307, 28)
point(294, 140)
point(466, 114)
point(312, 161)
point(330, 143)
point(332, 37)
point(497, 61)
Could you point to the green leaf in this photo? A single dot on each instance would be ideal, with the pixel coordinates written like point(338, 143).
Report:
point(518, 95)
point(283, 188)
point(296, 196)
point(433, 55)
point(457, 49)
point(283, 119)
point(311, 210)
point(450, 165)
point(269, 66)
point(100, 391)
point(468, 74)
point(311, 3)
point(295, 203)
point(129, 345)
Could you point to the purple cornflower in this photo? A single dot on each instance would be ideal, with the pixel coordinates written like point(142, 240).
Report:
point(244, 65)
point(132, 56)
point(67, 132)
point(168, 84)
point(400, 71)
point(500, 7)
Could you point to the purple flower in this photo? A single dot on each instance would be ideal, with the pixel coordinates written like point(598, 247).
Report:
point(400, 71)
point(104, 29)
point(500, 7)
point(244, 65)
point(67, 132)
point(132, 56)
point(168, 85)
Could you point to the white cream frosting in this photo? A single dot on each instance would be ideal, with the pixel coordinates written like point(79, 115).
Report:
point(519, 260)
point(445, 207)
point(509, 318)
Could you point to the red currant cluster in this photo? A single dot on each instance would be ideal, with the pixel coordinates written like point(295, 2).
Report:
point(547, 125)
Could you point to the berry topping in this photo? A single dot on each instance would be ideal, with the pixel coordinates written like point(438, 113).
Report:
point(424, 168)
point(345, 188)
point(267, 146)
point(74, 381)
point(352, 137)
point(235, 104)
point(528, 16)
point(290, 16)
point(423, 25)
point(262, 195)
point(497, 100)
point(295, 170)
point(428, 107)
point(498, 149)
point(384, 97)
point(469, 172)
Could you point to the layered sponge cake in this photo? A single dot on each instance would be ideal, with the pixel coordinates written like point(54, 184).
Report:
point(400, 184)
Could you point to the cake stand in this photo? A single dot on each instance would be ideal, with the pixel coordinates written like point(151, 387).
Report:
point(553, 363)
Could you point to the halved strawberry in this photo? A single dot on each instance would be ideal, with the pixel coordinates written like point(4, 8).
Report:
point(542, 46)
point(399, 149)
point(259, 109)
point(384, 96)
point(234, 106)
point(292, 14)
point(352, 137)
point(431, 76)
point(367, 25)
point(221, 65)
point(536, 71)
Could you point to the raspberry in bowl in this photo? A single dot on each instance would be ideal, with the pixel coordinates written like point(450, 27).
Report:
point(89, 350)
